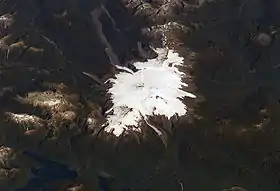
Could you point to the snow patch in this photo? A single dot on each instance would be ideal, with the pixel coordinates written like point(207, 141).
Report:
point(24, 119)
point(51, 103)
point(154, 89)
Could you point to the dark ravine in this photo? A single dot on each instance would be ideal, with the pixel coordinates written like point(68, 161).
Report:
point(60, 52)
point(48, 172)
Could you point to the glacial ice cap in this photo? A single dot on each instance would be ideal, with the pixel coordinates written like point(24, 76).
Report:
point(154, 89)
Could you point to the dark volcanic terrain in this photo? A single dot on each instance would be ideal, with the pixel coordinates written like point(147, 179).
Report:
point(55, 56)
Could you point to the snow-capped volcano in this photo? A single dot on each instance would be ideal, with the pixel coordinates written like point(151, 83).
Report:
point(154, 89)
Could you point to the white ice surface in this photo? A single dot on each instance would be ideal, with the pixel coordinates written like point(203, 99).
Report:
point(153, 89)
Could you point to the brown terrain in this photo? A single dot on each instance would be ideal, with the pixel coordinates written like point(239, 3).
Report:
point(55, 54)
